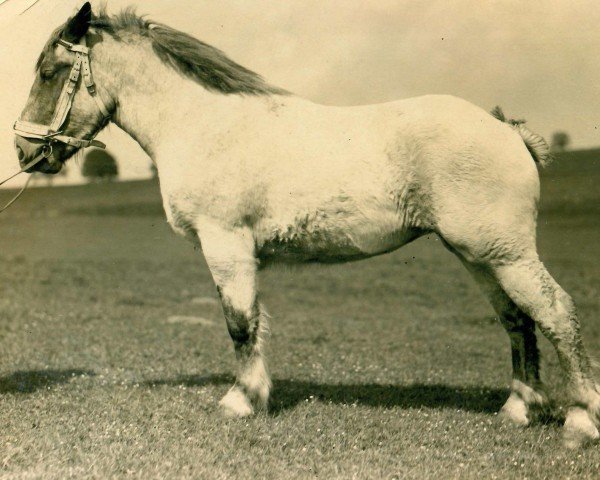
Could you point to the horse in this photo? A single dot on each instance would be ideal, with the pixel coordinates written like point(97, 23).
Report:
point(255, 175)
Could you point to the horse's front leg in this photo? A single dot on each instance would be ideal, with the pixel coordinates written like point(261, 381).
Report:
point(230, 257)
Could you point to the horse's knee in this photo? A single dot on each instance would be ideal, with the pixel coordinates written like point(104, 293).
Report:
point(242, 324)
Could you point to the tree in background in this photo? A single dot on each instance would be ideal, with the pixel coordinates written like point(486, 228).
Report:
point(99, 165)
point(560, 141)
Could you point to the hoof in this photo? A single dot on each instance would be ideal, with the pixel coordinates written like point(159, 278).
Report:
point(579, 430)
point(515, 411)
point(235, 404)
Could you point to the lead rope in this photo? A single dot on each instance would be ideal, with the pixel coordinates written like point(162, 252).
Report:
point(35, 161)
point(16, 197)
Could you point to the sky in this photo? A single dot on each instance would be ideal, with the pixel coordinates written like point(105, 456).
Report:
point(538, 60)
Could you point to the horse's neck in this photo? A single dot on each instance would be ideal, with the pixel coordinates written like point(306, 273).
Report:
point(155, 104)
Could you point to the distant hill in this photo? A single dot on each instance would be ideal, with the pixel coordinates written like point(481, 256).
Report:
point(576, 161)
point(569, 186)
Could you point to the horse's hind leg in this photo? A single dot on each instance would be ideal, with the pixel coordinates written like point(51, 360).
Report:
point(230, 257)
point(531, 287)
point(527, 391)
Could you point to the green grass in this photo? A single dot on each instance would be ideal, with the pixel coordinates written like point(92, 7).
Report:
point(388, 368)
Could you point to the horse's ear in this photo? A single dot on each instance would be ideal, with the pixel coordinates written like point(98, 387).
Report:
point(78, 26)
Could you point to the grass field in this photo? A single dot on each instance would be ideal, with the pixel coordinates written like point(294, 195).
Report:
point(114, 353)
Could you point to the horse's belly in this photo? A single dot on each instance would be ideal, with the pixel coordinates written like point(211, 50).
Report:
point(305, 250)
point(293, 245)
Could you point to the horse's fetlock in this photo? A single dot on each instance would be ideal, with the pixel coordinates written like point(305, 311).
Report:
point(529, 395)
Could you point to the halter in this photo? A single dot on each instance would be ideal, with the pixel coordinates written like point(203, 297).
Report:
point(52, 133)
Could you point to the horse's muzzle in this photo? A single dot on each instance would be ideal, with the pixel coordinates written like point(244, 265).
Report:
point(27, 150)
point(47, 166)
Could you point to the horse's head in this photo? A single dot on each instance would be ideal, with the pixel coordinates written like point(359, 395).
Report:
point(63, 112)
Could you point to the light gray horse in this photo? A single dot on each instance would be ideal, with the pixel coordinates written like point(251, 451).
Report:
point(256, 175)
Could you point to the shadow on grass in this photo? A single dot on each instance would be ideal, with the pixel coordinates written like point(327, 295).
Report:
point(191, 381)
point(289, 393)
point(31, 380)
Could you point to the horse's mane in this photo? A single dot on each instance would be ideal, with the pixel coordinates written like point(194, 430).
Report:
point(197, 60)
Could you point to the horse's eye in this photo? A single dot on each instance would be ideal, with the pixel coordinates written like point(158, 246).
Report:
point(47, 74)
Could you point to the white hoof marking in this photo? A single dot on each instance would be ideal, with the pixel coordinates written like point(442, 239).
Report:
point(515, 409)
point(236, 404)
point(579, 428)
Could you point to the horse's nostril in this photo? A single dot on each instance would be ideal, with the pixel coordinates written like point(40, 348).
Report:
point(20, 153)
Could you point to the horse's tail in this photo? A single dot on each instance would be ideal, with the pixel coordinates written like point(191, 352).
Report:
point(537, 146)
